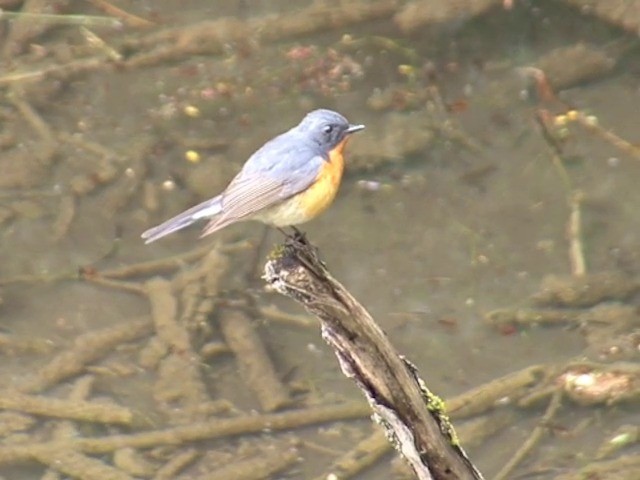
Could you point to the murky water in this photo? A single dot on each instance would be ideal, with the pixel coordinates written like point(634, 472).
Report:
point(444, 214)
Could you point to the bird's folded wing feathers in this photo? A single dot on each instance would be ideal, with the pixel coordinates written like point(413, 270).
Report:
point(249, 193)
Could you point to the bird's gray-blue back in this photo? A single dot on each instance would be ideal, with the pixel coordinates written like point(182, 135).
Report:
point(290, 158)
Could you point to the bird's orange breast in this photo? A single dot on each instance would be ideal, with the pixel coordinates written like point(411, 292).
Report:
point(317, 198)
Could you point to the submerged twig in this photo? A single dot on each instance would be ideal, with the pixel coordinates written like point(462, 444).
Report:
point(168, 264)
point(201, 430)
point(256, 366)
point(574, 233)
point(586, 290)
point(66, 214)
point(486, 396)
point(180, 381)
point(32, 117)
point(126, 17)
point(87, 348)
point(366, 453)
point(77, 465)
point(533, 439)
point(176, 464)
point(590, 123)
point(50, 19)
point(130, 287)
point(70, 409)
point(262, 466)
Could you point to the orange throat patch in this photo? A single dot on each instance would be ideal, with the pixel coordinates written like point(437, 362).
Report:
point(317, 198)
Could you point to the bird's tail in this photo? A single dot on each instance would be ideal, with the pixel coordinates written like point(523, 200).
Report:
point(206, 209)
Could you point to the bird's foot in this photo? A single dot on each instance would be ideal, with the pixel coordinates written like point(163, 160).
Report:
point(295, 236)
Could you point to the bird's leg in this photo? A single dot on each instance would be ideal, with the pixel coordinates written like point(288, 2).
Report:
point(299, 236)
point(295, 235)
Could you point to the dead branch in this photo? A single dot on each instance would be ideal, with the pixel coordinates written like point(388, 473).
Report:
point(413, 417)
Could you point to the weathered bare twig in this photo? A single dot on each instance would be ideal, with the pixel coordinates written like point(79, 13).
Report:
point(412, 415)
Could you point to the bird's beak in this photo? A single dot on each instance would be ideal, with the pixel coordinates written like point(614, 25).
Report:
point(354, 128)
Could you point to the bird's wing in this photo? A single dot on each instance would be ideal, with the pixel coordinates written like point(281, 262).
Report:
point(260, 186)
point(248, 194)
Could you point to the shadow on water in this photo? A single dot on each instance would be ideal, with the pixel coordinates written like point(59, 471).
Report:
point(499, 150)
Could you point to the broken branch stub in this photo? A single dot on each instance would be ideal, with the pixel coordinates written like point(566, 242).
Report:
point(411, 415)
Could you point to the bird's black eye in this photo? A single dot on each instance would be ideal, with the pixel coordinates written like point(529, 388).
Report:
point(328, 128)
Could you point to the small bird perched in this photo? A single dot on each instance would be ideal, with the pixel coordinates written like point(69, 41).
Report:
point(288, 181)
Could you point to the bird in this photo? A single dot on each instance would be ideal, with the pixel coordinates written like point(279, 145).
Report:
point(288, 181)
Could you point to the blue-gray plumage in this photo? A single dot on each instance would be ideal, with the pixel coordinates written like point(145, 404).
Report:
point(288, 181)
